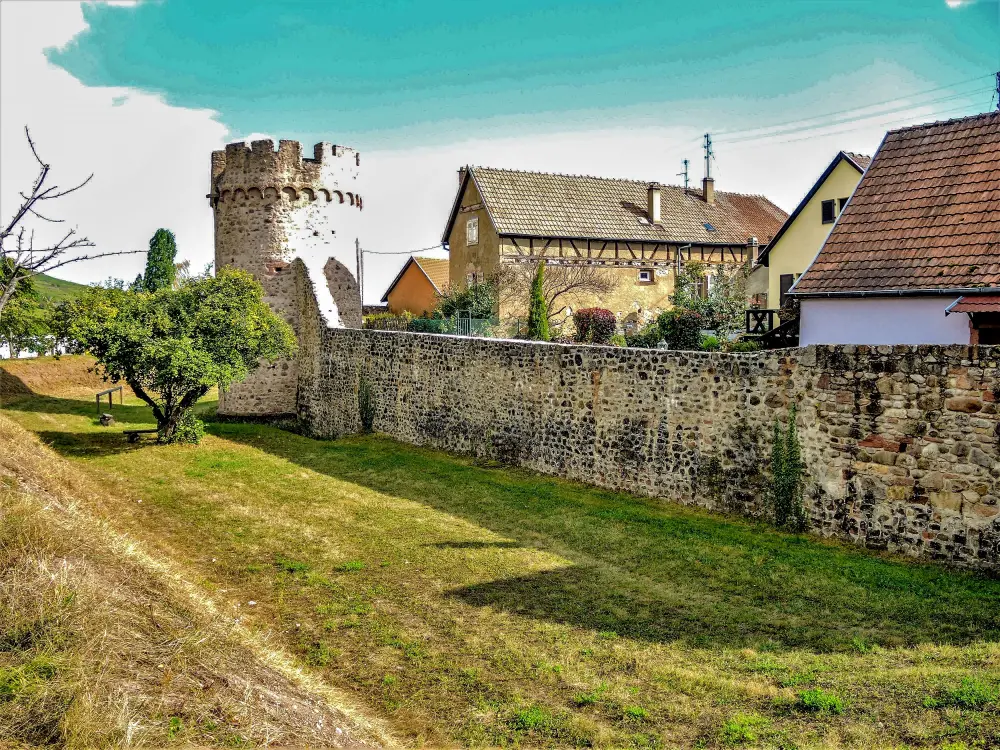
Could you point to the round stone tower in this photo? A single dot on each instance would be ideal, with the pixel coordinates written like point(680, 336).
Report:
point(270, 208)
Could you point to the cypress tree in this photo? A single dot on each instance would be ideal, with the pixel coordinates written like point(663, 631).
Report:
point(160, 268)
point(538, 309)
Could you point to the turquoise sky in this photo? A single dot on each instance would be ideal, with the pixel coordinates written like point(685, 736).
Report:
point(386, 71)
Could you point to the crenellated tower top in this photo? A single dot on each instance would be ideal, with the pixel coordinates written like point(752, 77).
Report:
point(257, 170)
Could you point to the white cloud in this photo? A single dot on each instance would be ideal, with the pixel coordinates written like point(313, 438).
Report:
point(150, 161)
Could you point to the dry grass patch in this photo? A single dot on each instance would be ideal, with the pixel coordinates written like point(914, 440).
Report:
point(102, 646)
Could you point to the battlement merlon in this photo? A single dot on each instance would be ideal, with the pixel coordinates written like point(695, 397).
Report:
point(259, 165)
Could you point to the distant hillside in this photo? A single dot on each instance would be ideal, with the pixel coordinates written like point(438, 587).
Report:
point(58, 290)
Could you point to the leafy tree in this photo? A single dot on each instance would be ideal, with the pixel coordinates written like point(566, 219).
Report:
point(24, 325)
point(681, 328)
point(171, 346)
point(160, 268)
point(538, 308)
point(480, 299)
point(722, 308)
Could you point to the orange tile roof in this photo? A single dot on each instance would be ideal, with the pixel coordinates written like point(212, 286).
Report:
point(924, 216)
point(539, 204)
point(436, 269)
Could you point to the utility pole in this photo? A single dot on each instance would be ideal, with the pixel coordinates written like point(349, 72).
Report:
point(684, 174)
point(708, 156)
point(998, 90)
point(361, 270)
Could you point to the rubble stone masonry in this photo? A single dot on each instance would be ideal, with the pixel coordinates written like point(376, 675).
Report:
point(900, 443)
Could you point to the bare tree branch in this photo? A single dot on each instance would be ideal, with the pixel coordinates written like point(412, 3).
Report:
point(562, 283)
point(24, 261)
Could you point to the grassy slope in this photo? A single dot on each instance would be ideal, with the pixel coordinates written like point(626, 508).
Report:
point(101, 645)
point(477, 605)
point(57, 290)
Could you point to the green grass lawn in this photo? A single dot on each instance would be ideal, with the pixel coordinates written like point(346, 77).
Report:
point(475, 605)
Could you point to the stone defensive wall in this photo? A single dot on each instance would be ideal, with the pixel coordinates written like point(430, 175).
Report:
point(900, 443)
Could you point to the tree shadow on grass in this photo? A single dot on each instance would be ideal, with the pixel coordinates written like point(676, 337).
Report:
point(643, 569)
point(127, 414)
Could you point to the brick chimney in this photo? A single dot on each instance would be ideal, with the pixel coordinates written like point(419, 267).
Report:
point(654, 197)
point(708, 190)
point(461, 175)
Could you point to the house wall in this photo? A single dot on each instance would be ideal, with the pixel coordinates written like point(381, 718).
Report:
point(802, 240)
point(481, 258)
point(412, 293)
point(881, 320)
point(899, 443)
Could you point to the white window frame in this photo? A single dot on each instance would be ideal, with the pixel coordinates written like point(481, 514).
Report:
point(645, 275)
point(472, 231)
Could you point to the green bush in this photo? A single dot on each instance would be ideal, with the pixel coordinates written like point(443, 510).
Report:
point(820, 701)
point(618, 340)
point(647, 337)
point(429, 325)
point(710, 344)
point(741, 346)
point(189, 429)
point(681, 328)
point(479, 299)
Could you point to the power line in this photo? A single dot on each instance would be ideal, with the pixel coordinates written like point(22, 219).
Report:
point(401, 252)
point(906, 99)
point(777, 131)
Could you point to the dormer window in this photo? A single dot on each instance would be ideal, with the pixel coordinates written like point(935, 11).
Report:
point(472, 231)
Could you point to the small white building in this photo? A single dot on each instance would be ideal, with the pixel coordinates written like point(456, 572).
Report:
point(915, 256)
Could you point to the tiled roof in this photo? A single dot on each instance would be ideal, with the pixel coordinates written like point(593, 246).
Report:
point(981, 303)
point(555, 205)
point(436, 269)
point(861, 160)
point(924, 216)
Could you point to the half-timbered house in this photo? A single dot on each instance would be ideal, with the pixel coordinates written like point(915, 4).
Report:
point(640, 232)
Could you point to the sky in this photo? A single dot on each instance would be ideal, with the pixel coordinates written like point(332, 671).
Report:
point(139, 94)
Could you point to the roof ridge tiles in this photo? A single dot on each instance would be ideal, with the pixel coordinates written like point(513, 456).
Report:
point(941, 123)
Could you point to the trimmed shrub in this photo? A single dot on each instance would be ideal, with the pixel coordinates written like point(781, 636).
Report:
point(428, 325)
point(538, 309)
point(595, 325)
point(741, 346)
point(618, 340)
point(681, 328)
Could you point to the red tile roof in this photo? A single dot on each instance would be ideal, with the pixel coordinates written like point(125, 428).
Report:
point(980, 303)
point(924, 216)
point(538, 204)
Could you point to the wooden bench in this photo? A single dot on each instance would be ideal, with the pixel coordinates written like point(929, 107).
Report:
point(133, 436)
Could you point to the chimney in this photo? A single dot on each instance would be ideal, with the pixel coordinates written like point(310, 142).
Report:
point(461, 175)
point(708, 190)
point(653, 199)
